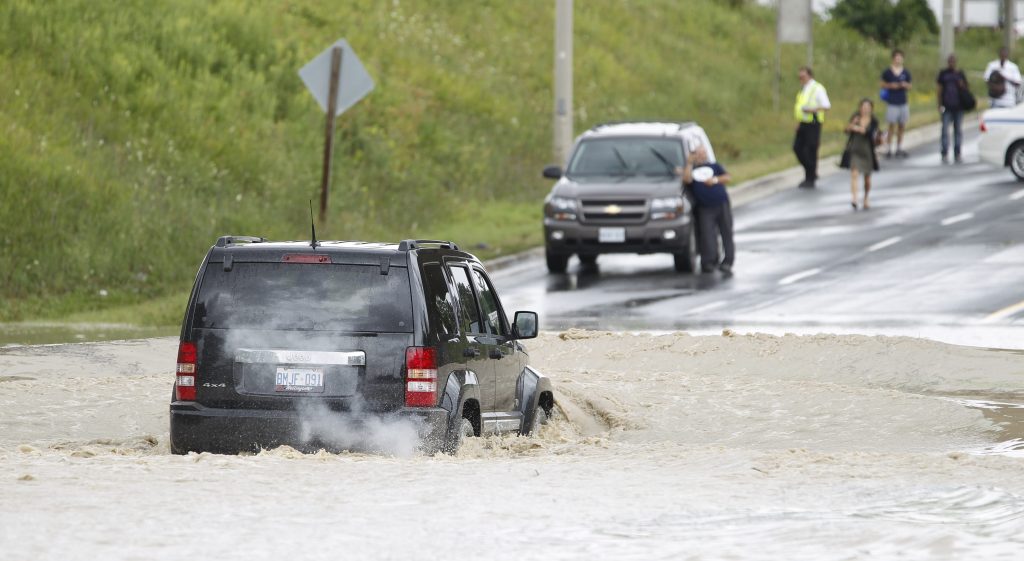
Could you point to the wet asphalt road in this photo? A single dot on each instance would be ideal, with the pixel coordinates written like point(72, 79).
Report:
point(939, 254)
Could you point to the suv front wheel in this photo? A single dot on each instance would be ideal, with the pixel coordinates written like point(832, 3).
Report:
point(557, 263)
point(686, 259)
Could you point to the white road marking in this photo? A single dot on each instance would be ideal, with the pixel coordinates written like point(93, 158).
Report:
point(741, 237)
point(708, 307)
point(1005, 312)
point(957, 218)
point(799, 276)
point(1017, 196)
point(886, 243)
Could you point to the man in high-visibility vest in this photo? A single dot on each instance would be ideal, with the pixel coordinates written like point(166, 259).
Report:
point(811, 104)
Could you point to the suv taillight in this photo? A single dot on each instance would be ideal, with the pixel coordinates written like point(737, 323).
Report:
point(185, 382)
point(420, 377)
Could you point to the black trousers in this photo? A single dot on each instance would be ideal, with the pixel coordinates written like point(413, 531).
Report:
point(805, 145)
point(714, 221)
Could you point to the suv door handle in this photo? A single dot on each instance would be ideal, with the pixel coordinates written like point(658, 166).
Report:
point(471, 352)
point(495, 353)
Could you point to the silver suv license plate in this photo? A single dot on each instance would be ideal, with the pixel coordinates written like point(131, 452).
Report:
point(299, 379)
point(611, 235)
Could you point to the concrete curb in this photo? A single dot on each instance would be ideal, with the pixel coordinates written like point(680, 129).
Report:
point(767, 185)
point(507, 261)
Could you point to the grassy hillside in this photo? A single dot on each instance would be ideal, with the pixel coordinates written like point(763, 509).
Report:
point(136, 132)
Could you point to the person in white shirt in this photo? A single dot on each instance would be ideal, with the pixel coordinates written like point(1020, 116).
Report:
point(1007, 81)
point(809, 111)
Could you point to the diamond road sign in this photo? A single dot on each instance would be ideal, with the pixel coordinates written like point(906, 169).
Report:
point(355, 82)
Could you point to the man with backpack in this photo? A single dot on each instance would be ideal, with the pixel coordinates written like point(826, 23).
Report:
point(1003, 79)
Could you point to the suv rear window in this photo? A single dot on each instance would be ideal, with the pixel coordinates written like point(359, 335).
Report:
point(289, 296)
point(627, 156)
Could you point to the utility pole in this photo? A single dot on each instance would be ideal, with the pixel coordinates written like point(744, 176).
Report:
point(946, 36)
point(563, 119)
point(1009, 23)
point(810, 34)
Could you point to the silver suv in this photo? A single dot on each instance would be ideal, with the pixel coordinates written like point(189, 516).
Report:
point(620, 194)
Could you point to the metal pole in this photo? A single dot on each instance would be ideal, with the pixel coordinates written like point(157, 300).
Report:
point(777, 78)
point(1009, 21)
point(946, 45)
point(563, 115)
point(810, 34)
point(332, 108)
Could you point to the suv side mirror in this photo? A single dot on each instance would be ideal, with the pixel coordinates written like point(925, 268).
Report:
point(525, 325)
point(553, 172)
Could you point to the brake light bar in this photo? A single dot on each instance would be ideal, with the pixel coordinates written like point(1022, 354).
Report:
point(420, 377)
point(185, 378)
point(305, 258)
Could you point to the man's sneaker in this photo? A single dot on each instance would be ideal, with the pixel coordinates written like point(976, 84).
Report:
point(806, 184)
point(725, 268)
point(888, 155)
point(958, 159)
point(945, 159)
point(902, 154)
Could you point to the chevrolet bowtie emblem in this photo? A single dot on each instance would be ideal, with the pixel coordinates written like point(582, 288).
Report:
point(612, 209)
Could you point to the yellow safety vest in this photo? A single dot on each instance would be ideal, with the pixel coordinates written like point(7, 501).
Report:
point(804, 99)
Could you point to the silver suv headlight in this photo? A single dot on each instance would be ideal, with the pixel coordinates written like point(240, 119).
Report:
point(666, 208)
point(561, 208)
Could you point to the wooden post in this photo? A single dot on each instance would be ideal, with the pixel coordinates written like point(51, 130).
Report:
point(332, 107)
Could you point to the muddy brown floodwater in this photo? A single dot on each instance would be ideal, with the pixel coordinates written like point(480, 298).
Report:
point(666, 446)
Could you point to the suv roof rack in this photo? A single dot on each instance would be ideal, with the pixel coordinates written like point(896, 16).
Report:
point(682, 124)
point(228, 240)
point(406, 245)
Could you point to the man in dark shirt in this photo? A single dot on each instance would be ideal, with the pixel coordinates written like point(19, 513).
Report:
point(950, 81)
point(714, 213)
point(896, 83)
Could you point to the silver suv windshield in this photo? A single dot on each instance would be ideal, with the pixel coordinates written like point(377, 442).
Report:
point(626, 157)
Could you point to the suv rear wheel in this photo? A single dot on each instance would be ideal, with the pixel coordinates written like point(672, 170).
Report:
point(557, 263)
point(686, 260)
point(462, 431)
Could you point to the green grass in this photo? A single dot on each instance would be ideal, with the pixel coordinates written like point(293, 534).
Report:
point(136, 132)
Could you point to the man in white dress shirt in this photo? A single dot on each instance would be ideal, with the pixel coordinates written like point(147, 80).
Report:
point(1003, 77)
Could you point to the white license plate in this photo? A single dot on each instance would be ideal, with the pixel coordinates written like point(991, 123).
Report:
point(611, 235)
point(299, 379)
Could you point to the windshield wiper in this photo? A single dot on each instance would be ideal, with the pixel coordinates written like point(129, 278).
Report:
point(622, 161)
point(670, 167)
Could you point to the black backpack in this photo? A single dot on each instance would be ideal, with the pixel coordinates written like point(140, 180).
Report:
point(996, 85)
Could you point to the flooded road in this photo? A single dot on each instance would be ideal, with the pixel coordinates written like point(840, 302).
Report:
point(664, 446)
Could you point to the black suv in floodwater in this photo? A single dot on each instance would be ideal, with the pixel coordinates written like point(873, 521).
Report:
point(296, 342)
point(620, 194)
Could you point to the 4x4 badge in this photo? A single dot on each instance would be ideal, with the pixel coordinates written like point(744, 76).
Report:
point(612, 209)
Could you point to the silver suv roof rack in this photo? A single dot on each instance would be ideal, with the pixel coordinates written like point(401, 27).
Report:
point(682, 124)
point(228, 240)
point(406, 245)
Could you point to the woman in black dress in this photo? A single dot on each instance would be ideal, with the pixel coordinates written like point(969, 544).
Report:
point(860, 156)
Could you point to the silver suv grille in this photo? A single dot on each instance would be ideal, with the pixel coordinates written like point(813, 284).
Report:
point(617, 211)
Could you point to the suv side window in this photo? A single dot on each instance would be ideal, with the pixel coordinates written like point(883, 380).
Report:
point(440, 304)
point(489, 304)
point(469, 314)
